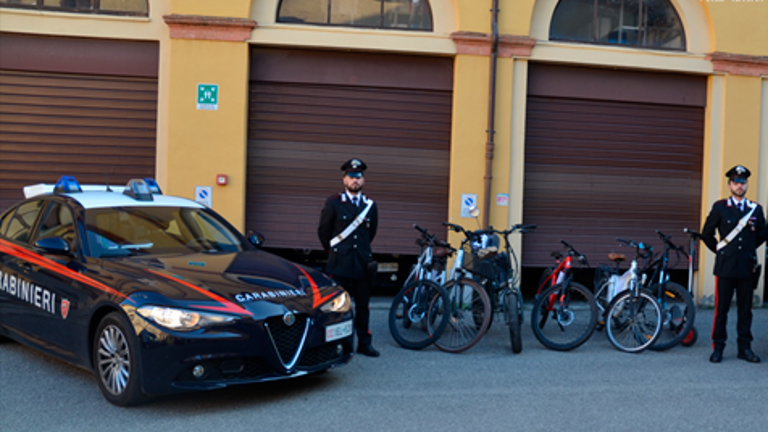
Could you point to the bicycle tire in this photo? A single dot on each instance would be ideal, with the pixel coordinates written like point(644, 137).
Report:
point(514, 313)
point(469, 316)
point(633, 322)
point(573, 320)
point(409, 314)
point(691, 339)
point(678, 315)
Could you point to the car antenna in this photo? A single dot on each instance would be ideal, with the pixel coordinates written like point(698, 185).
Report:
point(108, 188)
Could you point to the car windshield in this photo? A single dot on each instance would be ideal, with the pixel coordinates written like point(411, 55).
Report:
point(123, 231)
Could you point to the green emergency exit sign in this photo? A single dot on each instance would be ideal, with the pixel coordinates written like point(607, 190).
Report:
point(208, 96)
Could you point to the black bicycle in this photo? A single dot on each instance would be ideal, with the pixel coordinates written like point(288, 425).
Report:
point(410, 322)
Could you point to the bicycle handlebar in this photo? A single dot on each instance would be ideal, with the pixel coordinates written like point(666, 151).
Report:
point(667, 239)
point(573, 252)
point(432, 238)
point(692, 233)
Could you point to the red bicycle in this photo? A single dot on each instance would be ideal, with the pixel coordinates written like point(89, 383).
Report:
point(564, 312)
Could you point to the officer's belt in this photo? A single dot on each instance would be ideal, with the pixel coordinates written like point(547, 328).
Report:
point(737, 229)
point(353, 226)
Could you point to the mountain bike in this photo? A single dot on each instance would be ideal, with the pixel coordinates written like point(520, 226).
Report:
point(409, 314)
point(633, 318)
point(677, 308)
point(469, 308)
point(497, 272)
point(564, 312)
point(676, 302)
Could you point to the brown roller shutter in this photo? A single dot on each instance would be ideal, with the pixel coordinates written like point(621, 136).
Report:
point(616, 154)
point(93, 126)
point(393, 112)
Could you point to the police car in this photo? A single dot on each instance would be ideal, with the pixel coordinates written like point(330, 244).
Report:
point(157, 294)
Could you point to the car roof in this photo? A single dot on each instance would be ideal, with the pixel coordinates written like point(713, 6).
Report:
point(97, 196)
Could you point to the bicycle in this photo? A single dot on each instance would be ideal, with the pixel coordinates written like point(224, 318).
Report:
point(570, 304)
point(634, 317)
point(677, 307)
point(409, 318)
point(498, 276)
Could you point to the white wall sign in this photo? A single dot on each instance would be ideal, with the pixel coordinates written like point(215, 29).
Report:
point(502, 199)
point(204, 195)
point(467, 201)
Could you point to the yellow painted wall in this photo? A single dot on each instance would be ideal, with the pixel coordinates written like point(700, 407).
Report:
point(470, 106)
point(503, 142)
point(741, 126)
point(220, 8)
point(740, 27)
point(204, 143)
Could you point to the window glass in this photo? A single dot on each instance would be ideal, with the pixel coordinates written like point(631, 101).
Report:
point(392, 14)
point(116, 7)
point(156, 230)
point(124, 5)
point(356, 13)
point(638, 23)
point(407, 14)
point(7, 217)
point(302, 11)
point(57, 222)
point(20, 226)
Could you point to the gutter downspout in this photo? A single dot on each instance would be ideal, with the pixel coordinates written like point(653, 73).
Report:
point(489, 145)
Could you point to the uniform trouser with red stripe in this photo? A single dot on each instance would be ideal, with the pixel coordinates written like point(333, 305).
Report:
point(360, 289)
point(724, 288)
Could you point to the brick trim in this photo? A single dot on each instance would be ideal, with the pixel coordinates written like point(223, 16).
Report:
point(474, 43)
point(738, 64)
point(209, 28)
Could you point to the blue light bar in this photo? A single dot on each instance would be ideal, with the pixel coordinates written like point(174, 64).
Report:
point(138, 190)
point(153, 186)
point(67, 184)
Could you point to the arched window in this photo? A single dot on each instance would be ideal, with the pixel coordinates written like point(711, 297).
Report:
point(110, 7)
point(383, 14)
point(639, 23)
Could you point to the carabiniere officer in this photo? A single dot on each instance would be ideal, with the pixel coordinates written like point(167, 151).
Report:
point(740, 224)
point(347, 227)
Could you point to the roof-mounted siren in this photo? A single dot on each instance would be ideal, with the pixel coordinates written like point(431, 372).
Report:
point(153, 186)
point(139, 190)
point(67, 184)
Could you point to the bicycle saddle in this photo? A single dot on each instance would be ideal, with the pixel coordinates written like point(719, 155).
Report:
point(616, 257)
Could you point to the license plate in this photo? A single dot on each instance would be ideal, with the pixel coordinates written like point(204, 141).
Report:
point(338, 331)
point(388, 267)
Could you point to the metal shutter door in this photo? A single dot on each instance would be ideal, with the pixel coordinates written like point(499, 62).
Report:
point(600, 169)
point(301, 132)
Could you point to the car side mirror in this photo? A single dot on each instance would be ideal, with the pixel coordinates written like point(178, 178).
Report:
point(256, 239)
point(53, 245)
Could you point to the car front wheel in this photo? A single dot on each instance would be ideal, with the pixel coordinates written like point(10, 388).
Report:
point(115, 360)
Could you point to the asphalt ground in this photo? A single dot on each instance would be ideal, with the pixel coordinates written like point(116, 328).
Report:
point(487, 388)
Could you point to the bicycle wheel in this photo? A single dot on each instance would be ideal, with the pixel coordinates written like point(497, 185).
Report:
point(564, 317)
point(691, 339)
point(469, 315)
point(514, 314)
point(677, 315)
point(633, 322)
point(409, 314)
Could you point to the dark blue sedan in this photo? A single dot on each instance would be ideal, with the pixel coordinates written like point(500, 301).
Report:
point(157, 294)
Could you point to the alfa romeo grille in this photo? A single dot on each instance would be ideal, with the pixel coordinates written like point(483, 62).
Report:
point(288, 340)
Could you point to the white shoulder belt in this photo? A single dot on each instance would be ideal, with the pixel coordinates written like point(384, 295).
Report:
point(352, 226)
point(737, 229)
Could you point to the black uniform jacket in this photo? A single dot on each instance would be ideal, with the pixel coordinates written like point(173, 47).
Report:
point(738, 258)
point(351, 257)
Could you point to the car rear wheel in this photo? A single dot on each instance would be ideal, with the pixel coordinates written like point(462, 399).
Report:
point(115, 361)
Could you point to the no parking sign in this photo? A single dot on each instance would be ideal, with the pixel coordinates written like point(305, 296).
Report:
point(467, 201)
point(204, 195)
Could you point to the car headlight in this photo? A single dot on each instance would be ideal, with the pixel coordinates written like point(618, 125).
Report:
point(341, 303)
point(182, 319)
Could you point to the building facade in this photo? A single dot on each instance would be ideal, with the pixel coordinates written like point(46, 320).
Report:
point(609, 118)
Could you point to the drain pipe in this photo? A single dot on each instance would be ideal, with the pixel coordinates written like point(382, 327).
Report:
point(489, 145)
